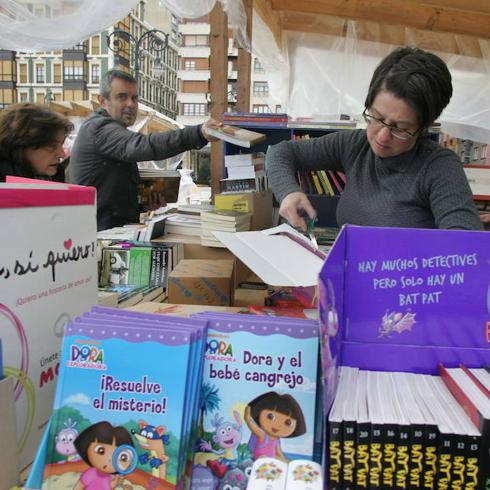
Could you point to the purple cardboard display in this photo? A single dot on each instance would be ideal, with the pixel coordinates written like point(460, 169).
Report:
point(398, 299)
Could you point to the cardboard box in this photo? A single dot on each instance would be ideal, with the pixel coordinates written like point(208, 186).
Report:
point(247, 297)
point(202, 282)
point(257, 203)
point(9, 468)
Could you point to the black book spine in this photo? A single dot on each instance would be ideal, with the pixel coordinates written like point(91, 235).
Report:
point(335, 434)
point(485, 453)
point(445, 461)
point(349, 455)
point(416, 464)
point(403, 457)
point(431, 454)
point(473, 480)
point(363, 441)
point(376, 456)
point(459, 463)
point(389, 456)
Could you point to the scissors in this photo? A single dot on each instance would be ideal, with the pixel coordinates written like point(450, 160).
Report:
point(310, 225)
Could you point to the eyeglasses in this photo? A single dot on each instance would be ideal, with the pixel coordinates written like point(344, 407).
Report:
point(401, 134)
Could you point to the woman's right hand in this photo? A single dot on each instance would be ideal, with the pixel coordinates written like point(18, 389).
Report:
point(294, 206)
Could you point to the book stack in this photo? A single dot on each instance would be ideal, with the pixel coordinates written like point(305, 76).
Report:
point(126, 403)
point(126, 296)
point(256, 368)
point(406, 430)
point(245, 172)
point(312, 123)
point(222, 220)
point(183, 224)
point(254, 119)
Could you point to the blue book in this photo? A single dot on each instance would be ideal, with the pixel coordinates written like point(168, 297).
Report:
point(258, 398)
point(124, 397)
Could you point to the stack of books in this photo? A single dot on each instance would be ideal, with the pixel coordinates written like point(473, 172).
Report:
point(407, 430)
point(245, 173)
point(273, 120)
point(221, 220)
point(132, 379)
point(183, 224)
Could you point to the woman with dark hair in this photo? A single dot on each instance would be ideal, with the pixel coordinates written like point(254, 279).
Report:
point(396, 175)
point(31, 142)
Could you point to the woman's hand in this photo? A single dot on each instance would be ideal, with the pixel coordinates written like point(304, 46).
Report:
point(294, 206)
point(210, 123)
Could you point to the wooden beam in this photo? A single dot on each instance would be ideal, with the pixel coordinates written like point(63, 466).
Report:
point(270, 17)
point(399, 12)
point(244, 63)
point(385, 33)
point(478, 6)
point(218, 86)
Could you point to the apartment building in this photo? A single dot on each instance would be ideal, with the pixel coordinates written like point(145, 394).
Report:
point(194, 75)
point(74, 74)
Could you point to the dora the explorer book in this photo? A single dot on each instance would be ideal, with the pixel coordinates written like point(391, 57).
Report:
point(258, 396)
point(123, 399)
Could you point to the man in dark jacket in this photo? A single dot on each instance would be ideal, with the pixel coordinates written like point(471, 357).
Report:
point(105, 153)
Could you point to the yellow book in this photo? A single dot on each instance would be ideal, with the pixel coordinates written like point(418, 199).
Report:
point(328, 185)
point(316, 182)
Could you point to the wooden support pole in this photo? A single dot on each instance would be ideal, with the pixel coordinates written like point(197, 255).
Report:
point(244, 64)
point(218, 86)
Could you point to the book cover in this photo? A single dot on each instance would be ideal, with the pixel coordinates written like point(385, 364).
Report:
point(112, 396)
point(274, 362)
point(237, 136)
point(48, 273)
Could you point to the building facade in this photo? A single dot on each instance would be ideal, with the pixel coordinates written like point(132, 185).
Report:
point(74, 74)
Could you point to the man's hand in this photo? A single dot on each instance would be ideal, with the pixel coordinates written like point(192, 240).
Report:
point(485, 219)
point(210, 123)
point(294, 206)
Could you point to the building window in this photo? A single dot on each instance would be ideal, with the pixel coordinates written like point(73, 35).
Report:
point(258, 68)
point(261, 88)
point(23, 73)
point(190, 65)
point(40, 97)
point(40, 73)
point(96, 45)
point(23, 97)
point(261, 109)
point(73, 72)
point(56, 72)
point(95, 73)
point(196, 40)
point(194, 109)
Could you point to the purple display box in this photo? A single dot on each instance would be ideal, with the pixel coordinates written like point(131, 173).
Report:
point(399, 299)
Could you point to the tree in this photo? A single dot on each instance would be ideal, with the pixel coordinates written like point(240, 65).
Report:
point(210, 401)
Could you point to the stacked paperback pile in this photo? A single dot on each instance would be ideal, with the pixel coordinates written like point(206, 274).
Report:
point(259, 397)
point(256, 119)
point(126, 403)
point(222, 220)
point(245, 173)
point(183, 224)
point(406, 430)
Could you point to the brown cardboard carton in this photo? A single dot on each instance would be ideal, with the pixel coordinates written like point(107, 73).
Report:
point(201, 282)
point(257, 203)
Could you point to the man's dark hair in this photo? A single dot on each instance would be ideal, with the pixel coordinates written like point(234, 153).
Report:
point(28, 126)
point(106, 80)
point(419, 78)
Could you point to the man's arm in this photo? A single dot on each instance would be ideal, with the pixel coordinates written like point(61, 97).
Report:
point(118, 143)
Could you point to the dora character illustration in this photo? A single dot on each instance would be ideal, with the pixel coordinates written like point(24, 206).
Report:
point(97, 445)
point(270, 417)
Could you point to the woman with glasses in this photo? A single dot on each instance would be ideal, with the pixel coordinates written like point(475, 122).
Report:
point(396, 175)
point(31, 142)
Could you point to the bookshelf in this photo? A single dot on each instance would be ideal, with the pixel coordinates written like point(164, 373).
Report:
point(326, 205)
